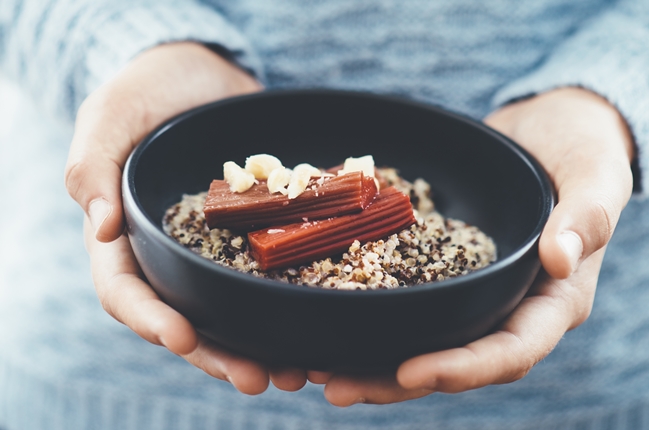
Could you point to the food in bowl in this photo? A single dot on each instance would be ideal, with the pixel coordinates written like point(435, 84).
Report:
point(406, 246)
point(476, 175)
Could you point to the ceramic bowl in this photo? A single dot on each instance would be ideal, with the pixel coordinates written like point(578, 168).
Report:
point(477, 175)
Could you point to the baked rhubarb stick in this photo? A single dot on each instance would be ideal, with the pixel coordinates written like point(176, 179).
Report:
point(297, 243)
point(257, 208)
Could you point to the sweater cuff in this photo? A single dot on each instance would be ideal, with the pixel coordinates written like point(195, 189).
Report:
point(125, 33)
point(609, 57)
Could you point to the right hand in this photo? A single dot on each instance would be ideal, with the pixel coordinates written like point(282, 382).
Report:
point(155, 86)
point(586, 148)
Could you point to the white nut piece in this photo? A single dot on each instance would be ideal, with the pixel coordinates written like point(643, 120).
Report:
point(261, 165)
point(363, 164)
point(278, 179)
point(238, 179)
point(302, 173)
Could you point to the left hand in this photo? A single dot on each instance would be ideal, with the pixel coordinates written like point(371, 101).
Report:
point(159, 83)
point(586, 148)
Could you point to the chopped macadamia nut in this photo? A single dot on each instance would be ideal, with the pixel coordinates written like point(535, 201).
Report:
point(239, 179)
point(302, 174)
point(362, 164)
point(261, 165)
point(278, 179)
point(303, 168)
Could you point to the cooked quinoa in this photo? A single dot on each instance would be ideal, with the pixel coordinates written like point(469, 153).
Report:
point(433, 249)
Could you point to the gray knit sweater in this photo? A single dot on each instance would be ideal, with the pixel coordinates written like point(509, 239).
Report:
point(466, 55)
point(65, 364)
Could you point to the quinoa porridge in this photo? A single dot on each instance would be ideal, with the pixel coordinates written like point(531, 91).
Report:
point(433, 249)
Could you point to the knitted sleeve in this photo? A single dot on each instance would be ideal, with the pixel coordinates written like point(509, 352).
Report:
point(609, 55)
point(61, 50)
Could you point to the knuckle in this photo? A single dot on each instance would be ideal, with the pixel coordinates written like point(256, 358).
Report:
point(519, 374)
point(99, 99)
point(73, 177)
point(604, 218)
point(109, 296)
point(581, 317)
point(106, 304)
point(520, 359)
point(581, 313)
point(576, 299)
point(86, 105)
point(524, 367)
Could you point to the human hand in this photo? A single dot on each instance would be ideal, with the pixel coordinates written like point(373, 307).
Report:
point(155, 86)
point(586, 148)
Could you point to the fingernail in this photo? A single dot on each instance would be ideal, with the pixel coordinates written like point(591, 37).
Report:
point(572, 246)
point(229, 378)
point(359, 400)
point(98, 211)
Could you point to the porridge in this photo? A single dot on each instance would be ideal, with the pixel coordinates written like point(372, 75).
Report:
point(432, 249)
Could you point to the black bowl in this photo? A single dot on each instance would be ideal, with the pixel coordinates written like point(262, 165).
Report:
point(477, 175)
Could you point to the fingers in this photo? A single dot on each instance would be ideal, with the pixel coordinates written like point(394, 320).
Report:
point(526, 337)
point(318, 377)
point(128, 299)
point(288, 379)
point(247, 376)
point(347, 390)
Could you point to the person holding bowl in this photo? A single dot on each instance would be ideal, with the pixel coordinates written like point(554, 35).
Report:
point(565, 81)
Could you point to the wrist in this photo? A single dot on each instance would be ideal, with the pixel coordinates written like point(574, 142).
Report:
point(577, 105)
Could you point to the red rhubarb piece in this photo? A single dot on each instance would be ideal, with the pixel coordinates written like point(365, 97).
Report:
point(304, 242)
point(257, 208)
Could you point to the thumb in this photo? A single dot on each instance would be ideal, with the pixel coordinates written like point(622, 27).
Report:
point(100, 146)
point(94, 182)
point(590, 200)
point(155, 86)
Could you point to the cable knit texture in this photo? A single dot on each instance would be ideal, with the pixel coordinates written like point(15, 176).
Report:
point(65, 364)
point(465, 55)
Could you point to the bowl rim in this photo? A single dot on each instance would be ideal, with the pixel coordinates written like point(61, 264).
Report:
point(144, 221)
